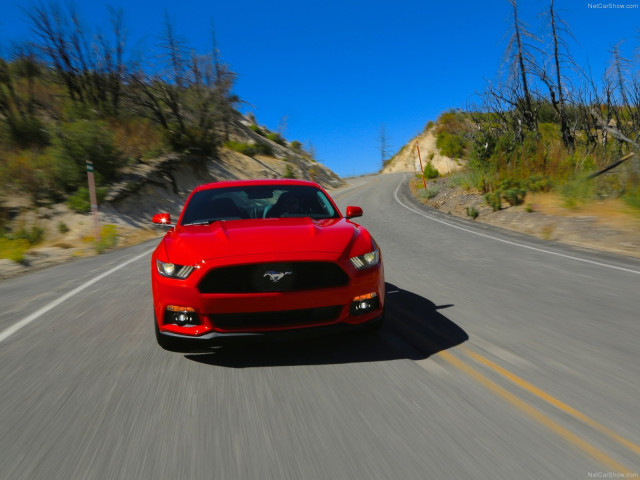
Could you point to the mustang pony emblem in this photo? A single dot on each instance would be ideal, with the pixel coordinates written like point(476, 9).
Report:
point(275, 277)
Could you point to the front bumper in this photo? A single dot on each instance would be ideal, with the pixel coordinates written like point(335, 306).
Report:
point(187, 344)
point(229, 317)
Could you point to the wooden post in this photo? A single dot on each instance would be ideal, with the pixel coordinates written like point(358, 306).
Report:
point(94, 201)
point(424, 182)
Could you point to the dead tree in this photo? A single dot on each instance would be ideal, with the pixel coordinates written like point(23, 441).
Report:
point(522, 58)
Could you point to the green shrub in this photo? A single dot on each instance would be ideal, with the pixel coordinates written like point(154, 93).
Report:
point(79, 141)
point(430, 192)
point(264, 149)
point(512, 191)
point(288, 172)
point(494, 200)
point(632, 197)
point(257, 129)
point(14, 249)
point(431, 172)
point(33, 235)
point(450, 145)
point(80, 202)
point(250, 149)
point(276, 137)
point(247, 149)
point(539, 183)
point(24, 132)
point(108, 238)
point(578, 191)
point(14, 246)
point(472, 212)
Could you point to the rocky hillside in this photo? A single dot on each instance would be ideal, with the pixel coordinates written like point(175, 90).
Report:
point(162, 185)
point(407, 159)
point(159, 185)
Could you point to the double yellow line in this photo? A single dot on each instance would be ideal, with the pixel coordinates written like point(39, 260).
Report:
point(539, 416)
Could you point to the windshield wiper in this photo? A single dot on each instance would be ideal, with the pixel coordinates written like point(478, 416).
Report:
point(201, 222)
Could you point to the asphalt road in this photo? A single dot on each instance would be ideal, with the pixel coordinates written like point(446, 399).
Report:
point(501, 358)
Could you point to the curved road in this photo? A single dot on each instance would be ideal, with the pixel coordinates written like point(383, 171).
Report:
point(502, 357)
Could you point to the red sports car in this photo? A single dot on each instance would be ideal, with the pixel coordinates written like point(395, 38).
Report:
point(263, 259)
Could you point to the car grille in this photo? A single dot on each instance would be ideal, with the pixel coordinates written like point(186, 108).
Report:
point(273, 277)
point(279, 319)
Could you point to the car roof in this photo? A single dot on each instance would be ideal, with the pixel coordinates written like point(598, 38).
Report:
point(263, 182)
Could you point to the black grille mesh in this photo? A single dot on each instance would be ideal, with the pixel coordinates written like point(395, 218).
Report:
point(279, 319)
point(273, 277)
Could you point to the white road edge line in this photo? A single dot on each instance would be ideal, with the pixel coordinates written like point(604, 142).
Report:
point(26, 321)
point(541, 250)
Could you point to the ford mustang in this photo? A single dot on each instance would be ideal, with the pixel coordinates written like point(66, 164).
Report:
point(263, 259)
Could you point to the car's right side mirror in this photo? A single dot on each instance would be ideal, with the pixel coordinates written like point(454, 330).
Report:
point(353, 212)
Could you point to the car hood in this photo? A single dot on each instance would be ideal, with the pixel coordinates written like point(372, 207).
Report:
point(188, 245)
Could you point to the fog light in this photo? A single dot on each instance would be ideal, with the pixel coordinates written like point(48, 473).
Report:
point(364, 304)
point(181, 316)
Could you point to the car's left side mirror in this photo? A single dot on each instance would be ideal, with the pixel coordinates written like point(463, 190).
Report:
point(353, 212)
point(162, 219)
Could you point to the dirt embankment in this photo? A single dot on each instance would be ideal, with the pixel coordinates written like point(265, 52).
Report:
point(609, 225)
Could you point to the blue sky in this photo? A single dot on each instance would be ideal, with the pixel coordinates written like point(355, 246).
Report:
point(338, 70)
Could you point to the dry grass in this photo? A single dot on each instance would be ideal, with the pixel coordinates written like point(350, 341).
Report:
point(612, 212)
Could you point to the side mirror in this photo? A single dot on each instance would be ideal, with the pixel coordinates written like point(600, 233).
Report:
point(162, 219)
point(353, 212)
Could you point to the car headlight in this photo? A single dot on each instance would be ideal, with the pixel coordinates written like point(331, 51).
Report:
point(369, 259)
point(171, 270)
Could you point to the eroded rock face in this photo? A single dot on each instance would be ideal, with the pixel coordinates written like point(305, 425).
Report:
point(407, 160)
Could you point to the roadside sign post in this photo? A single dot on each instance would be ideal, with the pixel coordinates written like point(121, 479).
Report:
point(424, 182)
point(94, 201)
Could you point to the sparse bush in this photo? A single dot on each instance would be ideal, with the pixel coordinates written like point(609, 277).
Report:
point(77, 142)
point(14, 249)
point(494, 200)
point(257, 129)
point(24, 132)
point(264, 149)
point(632, 197)
point(577, 192)
point(429, 193)
point(472, 212)
point(431, 172)
point(250, 149)
point(288, 172)
point(108, 238)
point(247, 149)
point(33, 235)
point(450, 145)
point(80, 202)
point(539, 183)
point(13, 246)
point(512, 191)
point(276, 137)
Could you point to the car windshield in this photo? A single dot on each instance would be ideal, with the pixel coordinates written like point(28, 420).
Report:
point(257, 201)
